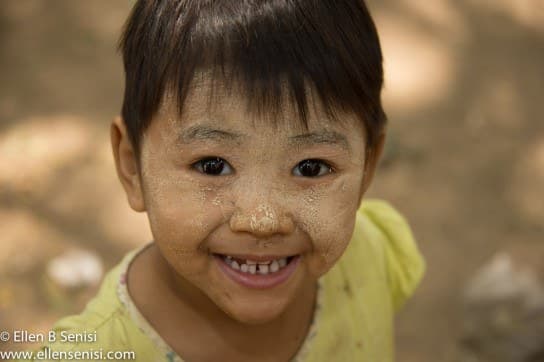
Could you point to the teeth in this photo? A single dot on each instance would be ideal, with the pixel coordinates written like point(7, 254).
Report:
point(263, 268)
point(254, 267)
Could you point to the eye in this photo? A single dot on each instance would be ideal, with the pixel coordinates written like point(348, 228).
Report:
point(312, 168)
point(213, 166)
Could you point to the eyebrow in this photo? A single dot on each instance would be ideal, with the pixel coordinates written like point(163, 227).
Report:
point(320, 137)
point(205, 133)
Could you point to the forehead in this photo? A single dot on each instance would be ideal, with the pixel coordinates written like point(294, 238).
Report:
point(211, 107)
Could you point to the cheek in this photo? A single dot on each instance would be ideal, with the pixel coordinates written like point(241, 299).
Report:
point(328, 217)
point(181, 215)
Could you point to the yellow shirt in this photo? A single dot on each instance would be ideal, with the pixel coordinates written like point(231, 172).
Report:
point(353, 318)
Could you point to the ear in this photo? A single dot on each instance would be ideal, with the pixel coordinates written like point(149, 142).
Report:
point(371, 162)
point(126, 164)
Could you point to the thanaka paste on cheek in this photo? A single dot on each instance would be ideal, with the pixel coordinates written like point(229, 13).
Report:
point(329, 214)
point(167, 193)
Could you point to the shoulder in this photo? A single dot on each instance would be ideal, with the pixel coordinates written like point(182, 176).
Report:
point(380, 268)
point(381, 225)
point(104, 325)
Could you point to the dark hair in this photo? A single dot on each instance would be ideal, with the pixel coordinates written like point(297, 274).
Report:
point(262, 46)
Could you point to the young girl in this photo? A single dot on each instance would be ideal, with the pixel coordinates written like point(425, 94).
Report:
point(250, 131)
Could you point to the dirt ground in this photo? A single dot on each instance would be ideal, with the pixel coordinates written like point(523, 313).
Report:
point(464, 159)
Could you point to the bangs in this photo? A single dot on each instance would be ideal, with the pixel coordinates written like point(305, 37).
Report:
point(271, 52)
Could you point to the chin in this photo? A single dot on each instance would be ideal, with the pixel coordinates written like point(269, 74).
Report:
point(258, 312)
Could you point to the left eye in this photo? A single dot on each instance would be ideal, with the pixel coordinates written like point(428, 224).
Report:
point(312, 168)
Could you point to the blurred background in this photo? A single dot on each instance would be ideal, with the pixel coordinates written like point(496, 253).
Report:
point(464, 162)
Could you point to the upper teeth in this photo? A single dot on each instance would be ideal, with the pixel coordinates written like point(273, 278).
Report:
point(252, 266)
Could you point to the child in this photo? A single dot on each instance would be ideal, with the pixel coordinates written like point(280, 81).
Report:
point(250, 131)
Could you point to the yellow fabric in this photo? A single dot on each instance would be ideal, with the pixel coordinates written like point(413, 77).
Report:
point(379, 270)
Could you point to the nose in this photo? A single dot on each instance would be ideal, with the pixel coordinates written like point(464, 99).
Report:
point(261, 216)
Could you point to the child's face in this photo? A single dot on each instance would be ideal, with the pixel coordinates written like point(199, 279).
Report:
point(212, 183)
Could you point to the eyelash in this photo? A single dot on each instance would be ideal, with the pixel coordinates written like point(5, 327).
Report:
point(200, 166)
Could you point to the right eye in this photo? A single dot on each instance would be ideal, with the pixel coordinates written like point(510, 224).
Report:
point(213, 166)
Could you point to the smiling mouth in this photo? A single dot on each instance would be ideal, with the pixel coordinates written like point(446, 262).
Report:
point(263, 266)
point(267, 272)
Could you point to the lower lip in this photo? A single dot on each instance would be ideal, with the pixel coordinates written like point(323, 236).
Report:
point(259, 281)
